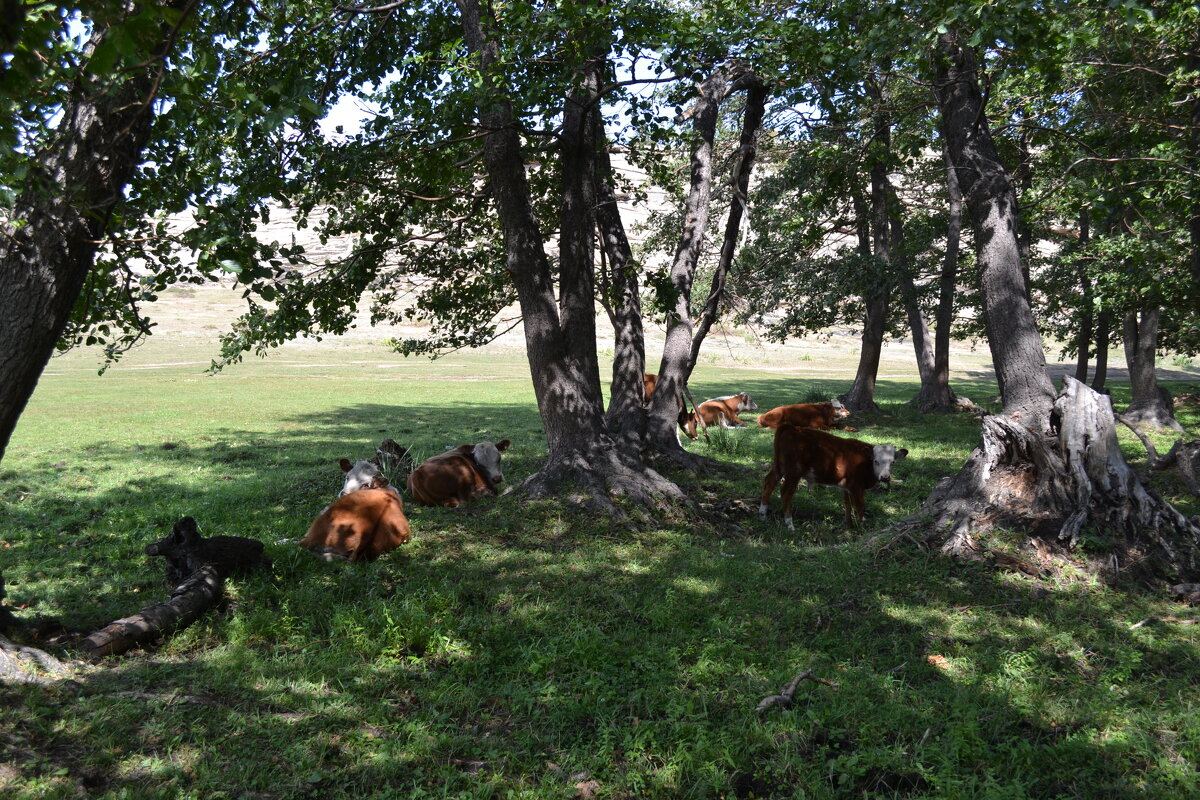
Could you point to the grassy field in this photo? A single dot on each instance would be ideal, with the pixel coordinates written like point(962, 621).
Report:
point(523, 650)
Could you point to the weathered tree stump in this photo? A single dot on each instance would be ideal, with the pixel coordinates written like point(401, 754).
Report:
point(188, 601)
point(1051, 486)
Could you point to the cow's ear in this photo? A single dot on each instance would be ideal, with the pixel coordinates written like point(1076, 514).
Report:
point(901, 453)
point(381, 482)
point(502, 445)
point(345, 464)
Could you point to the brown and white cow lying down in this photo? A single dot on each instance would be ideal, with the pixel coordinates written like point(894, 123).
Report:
point(360, 525)
point(459, 475)
point(828, 460)
point(822, 416)
point(649, 381)
point(721, 411)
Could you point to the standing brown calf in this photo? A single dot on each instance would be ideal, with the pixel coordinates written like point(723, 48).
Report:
point(360, 525)
point(822, 416)
point(828, 460)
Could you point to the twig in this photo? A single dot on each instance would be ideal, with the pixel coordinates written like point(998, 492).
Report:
point(784, 699)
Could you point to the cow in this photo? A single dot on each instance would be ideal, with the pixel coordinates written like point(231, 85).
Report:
point(821, 416)
point(721, 411)
point(459, 475)
point(360, 525)
point(649, 381)
point(828, 460)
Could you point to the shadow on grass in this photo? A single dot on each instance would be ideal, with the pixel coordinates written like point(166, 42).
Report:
point(509, 637)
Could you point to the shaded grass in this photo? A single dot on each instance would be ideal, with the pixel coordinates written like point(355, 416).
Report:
point(517, 649)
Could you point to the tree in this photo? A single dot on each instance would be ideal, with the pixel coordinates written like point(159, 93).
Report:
point(1049, 465)
point(73, 170)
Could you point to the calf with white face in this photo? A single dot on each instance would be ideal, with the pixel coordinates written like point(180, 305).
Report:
point(828, 460)
point(362, 475)
point(459, 475)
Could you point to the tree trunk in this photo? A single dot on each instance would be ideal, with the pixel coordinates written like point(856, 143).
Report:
point(947, 286)
point(48, 243)
point(198, 593)
point(626, 416)
point(861, 396)
point(756, 99)
point(1103, 324)
point(1150, 405)
point(1051, 487)
point(988, 191)
point(563, 364)
point(677, 349)
point(1084, 339)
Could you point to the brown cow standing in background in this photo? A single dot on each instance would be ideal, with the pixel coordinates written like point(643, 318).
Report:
point(822, 416)
point(828, 460)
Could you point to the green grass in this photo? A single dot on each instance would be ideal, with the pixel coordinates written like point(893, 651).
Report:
point(518, 649)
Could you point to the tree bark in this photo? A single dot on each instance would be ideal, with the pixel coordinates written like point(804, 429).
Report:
point(988, 191)
point(1026, 475)
point(1149, 404)
point(861, 396)
point(48, 243)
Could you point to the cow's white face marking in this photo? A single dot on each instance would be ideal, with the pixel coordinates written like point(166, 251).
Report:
point(839, 410)
point(745, 403)
point(361, 475)
point(487, 458)
point(884, 456)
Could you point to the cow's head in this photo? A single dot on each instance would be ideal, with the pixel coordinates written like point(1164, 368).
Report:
point(487, 458)
point(745, 403)
point(688, 422)
point(839, 410)
point(361, 475)
point(184, 537)
point(884, 456)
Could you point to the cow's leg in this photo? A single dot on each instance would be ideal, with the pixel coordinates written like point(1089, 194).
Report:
point(769, 484)
point(785, 494)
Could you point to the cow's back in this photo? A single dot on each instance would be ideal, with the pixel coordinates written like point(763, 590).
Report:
point(449, 479)
point(361, 525)
point(800, 415)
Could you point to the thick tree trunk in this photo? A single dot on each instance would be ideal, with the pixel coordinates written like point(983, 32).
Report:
point(48, 243)
point(1051, 487)
point(673, 369)
point(563, 363)
point(988, 191)
point(626, 416)
point(1149, 405)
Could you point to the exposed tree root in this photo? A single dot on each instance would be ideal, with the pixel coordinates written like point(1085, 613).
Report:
point(602, 477)
point(784, 698)
point(16, 661)
point(1052, 486)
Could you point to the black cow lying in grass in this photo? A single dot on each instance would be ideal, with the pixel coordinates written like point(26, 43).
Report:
point(186, 551)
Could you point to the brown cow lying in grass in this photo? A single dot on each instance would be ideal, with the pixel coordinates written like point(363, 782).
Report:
point(458, 476)
point(821, 416)
point(720, 411)
point(361, 525)
point(828, 460)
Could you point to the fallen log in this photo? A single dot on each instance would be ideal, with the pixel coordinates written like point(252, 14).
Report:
point(189, 600)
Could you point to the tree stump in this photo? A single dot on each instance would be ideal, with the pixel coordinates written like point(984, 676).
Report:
point(1052, 485)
